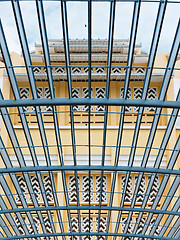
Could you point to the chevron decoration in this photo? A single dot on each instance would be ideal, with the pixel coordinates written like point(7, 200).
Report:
point(76, 70)
point(47, 94)
point(24, 94)
point(36, 222)
point(152, 95)
point(72, 188)
point(158, 228)
point(130, 226)
point(129, 96)
point(140, 70)
point(85, 227)
point(140, 226)
point(129, 189)
point(142, 189)
point(102, 224)
point(48, 188)
point(100, 92)
point(137, 94)
point(154, 190)
point(36, 188)
point(37, 70)
point(100, 70)
point(85, 188)
point(86, 70)
point(116, 70)
point(85, 95)
point(19, 226)
point(76, 94)
point(23, 186)
point(48, 227)
point(104, 188)
point(59, 70)
point(75, 228)
point(40, 95)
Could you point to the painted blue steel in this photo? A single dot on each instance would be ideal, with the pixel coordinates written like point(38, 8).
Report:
point(44, 39)
point(171, 163)
point(70, 168)
point(153, 50)
point(92, 101)
point(8, 122)
point(162, 95)
point(109, 59)
point(27, 59)
point(37, 209)
point(169, 218)
point(69, 80)
point(91, 234)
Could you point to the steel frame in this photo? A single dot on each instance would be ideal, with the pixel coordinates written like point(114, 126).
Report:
point(8, 227)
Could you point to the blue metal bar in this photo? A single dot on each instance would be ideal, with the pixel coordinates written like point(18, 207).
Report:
point(125, 209)
point(169, 218)
point(109, 59)
point(69, 80)
point(92, 101)
point(70, 168)
point(91, 234)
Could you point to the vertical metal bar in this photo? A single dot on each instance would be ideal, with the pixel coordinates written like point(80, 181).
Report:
point(132, 41)
point(109, 62)
point(89, 96)
point(164, 88)
point(69, 80)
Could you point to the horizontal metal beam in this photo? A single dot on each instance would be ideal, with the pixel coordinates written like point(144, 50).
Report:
point(55, 208)
point(92, 101)
point(89, 234)
point(91, 168)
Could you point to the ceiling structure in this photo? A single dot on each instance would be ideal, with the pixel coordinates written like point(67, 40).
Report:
point(172, 214)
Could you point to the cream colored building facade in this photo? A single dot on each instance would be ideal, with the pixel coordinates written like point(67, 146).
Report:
point(79, 62)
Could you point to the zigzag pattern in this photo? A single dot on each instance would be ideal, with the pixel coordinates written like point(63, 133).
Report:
point(23, 188)
point(75, 228)
point(104, 188)
point(85, 95)
point(48, 188)
point(140, 70)
point(37, 70)
point(72, 188)
point(142, 189)
point(36, 223)
point(76, 70)
point(36, 188)
point(24, 94)
point(100, 70)
point(19, 226)
point(158, 228)
point(44, 70)
point(85, 188)
point(47, 95)
point(116, 70)
point(130, 226)
point(102, 223)
point(129, 189)
point(152, 95)
point(154, 189)
point(140, 226)
point(86, 70)
point(129, 96)
point(137, 94)
point(76, 94)
point(85, 227)
point(48, 227)
point(59, 70)
point(100, 92)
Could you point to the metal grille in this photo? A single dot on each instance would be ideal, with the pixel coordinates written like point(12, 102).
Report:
point(89, 199)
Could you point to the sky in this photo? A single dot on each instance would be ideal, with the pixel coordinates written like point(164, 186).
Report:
point(77, 19)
